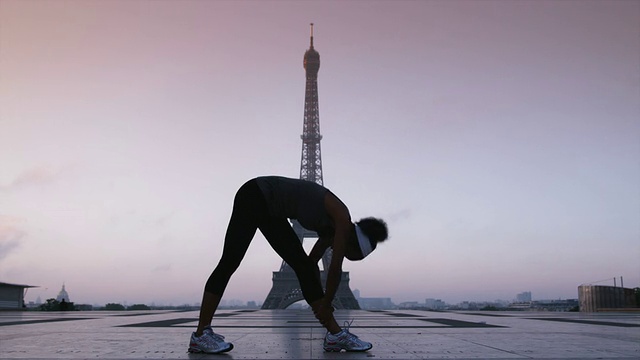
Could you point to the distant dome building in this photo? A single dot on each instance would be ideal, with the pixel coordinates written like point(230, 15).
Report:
point(63, 295)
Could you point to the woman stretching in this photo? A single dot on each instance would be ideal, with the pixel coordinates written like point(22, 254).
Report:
point(266, 203)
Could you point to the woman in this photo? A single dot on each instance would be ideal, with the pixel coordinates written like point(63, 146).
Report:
point(266, 203)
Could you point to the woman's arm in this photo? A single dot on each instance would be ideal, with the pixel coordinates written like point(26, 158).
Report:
point(342, 222)
point(319, 248)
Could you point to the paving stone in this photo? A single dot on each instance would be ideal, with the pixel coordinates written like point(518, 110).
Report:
point(295, 334)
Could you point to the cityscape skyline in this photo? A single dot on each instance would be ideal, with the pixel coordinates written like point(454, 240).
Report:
point(525, 296)
point(499, 140)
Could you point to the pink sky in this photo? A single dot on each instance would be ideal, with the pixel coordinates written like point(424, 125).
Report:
point(499, 138)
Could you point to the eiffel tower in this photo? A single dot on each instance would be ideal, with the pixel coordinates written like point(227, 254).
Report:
point(286, 288)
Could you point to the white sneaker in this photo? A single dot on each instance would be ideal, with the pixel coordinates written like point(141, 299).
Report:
point(344, 340)
point(209, 342)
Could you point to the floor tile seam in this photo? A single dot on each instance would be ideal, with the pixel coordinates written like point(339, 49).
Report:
point(243, 335)
point(461, 336)
point(625, 354)
point(406, 351)
point(520, 356)
point(573, 335)
point(563, 347)
point(311, 343)
point(597, 336)
point(591, 323)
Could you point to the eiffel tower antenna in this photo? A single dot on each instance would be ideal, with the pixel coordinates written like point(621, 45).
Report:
point(286, 288)
point(311, 47)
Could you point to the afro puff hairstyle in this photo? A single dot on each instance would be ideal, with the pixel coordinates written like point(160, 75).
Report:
point(375, 229)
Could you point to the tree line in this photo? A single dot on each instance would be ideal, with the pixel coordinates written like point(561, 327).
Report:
point(55, 305)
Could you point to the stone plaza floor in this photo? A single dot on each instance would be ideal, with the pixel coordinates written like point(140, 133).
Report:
point(295, 334)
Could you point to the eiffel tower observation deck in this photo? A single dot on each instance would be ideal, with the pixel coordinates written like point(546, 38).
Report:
point(286, 288)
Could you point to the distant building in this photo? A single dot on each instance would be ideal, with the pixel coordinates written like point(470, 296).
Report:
point(595, 298)
point(83, 307)
point(63, 295)
point(435, 304)
point(12, 296)
point(375, 303)
point(252, 304)
point(520, 305)
point(482, 305)
point(356, 294)
point(465, 305)
point(555, 305)
point(524, 297)
point(408, 305)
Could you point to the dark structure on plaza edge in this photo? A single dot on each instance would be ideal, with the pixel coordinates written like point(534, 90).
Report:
point(12, 296)
point(286, 289)
point(595, 298)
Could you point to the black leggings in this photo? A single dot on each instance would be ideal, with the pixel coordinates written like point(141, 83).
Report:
point(249, 214)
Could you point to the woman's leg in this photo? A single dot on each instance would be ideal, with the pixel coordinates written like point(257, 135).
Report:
point(286, 243)
point(247, 209)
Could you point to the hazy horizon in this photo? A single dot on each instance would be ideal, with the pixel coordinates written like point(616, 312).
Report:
point(500, 140)
point(32, 296)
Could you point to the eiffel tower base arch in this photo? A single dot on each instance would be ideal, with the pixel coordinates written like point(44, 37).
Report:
point(286, 291)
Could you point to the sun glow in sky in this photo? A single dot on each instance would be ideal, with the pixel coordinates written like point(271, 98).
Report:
point(499, 139)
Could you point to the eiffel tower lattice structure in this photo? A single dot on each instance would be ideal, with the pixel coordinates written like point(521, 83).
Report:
point(286, 288)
